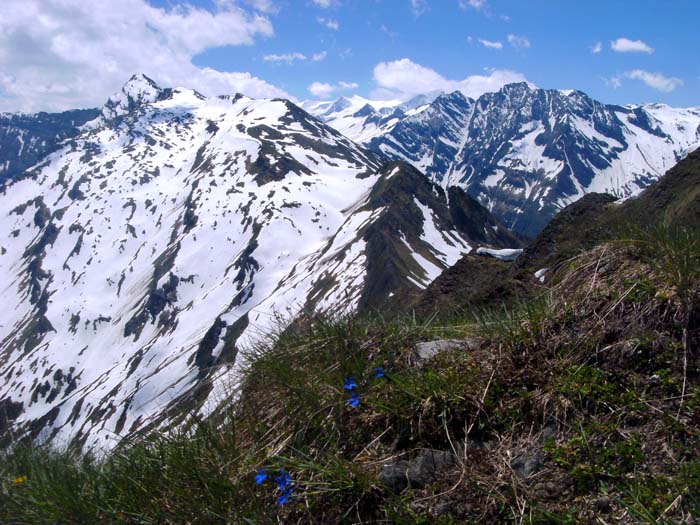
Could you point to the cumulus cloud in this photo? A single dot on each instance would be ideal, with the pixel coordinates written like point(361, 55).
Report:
point(72, 53)
point(491, 44)
point(330, 23)
point(625, 45)
point(596, 48)
point(519, 41)
point(655, 80)
point(404, 78)
point(325, 90)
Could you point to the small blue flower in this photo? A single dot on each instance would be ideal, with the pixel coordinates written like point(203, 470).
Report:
point(354, 400)
point(379, 372)
point(284, 480)
point(350, 383)
point(286, 496)
point(261, 476)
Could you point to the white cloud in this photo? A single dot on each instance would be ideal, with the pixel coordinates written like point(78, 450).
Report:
point(625, 45)
point(419, 7)
point(330, 23)
point(288, 58)
point(404, 78)
point(325, 90)
point(655, 80)
point(596, 48)
point(491, 44)
point(519, 41)
point(291, 58)
point(475, 4)
point(73, 53)
point(323, 4)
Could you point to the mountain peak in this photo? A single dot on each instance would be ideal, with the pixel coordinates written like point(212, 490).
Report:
point(139, 83)
point(518, 87)
point(139, 89)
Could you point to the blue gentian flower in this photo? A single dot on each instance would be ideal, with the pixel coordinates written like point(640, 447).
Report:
point(379, 372)
point(354, 400)
point(284, 480)
point(350, 383)
point(286, 495)
point(261, 476)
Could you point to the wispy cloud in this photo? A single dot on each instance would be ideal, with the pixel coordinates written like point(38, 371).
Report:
point(330, 23)
point(490, 43)
point(655, 80)
point(391, 34)
point(625, 45)
point(419, 7)
point(264, 6)
point(325, 90)
point(474, 4)
point(519, 41)
point(613, 82)
point(323, 4)
point(596, 48)
point(291, 58)
point(288, 58)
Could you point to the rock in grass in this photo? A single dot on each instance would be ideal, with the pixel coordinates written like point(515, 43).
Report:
point(525, 466)
point(429, 349)
point(417, 472)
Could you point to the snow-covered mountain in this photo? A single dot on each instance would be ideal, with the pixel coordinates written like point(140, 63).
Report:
point(175, 230)
point(525, 153)
point(26, 139)
point(362, 119)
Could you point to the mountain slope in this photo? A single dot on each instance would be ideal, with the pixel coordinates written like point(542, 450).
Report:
point(176, 230)
point(26, 139)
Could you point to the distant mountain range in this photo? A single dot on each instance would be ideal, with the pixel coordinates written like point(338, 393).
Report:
point(524, 153)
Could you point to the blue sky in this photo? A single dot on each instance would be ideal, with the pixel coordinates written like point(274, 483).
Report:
point(445, 37)
point(75, 54)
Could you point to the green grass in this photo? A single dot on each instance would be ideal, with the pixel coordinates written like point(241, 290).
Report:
point(673, 251)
